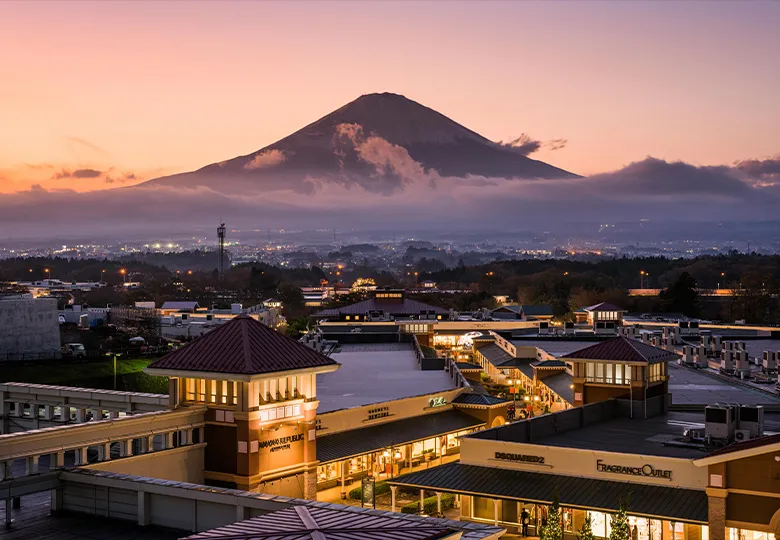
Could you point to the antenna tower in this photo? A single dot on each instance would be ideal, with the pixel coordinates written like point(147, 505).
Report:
point(221, 238)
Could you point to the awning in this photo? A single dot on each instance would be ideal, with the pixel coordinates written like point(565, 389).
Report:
point(573, 491)
point(356, 442)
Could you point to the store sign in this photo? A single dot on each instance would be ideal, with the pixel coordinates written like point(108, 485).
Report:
point(644, 470)
point(505, 456)
point(437, 402)
point(378, 412)
point(282, 443)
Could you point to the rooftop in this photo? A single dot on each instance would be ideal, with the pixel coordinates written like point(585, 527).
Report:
point(700, 387)
point(396, 307)
point(622, 349)
point(242, 346)
point(603, 306)
point(358, 441)
point(331, 523)
point(607, 427)
point(376, 372)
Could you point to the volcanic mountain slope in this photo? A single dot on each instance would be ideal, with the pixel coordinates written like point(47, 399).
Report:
point(379, 142)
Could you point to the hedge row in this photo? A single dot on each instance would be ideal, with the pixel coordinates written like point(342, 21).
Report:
point(380, 488)
point(430, 505)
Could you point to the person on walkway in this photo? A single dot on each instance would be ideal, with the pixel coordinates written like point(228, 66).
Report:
point(525, 519)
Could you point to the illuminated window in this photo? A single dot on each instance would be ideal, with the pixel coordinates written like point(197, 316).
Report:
point(347, 317)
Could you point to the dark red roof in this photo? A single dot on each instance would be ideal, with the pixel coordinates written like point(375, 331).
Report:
point(242, 346)
point(621, 349)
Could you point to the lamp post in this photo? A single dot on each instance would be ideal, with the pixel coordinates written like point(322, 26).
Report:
point(722, 274)
point(48, 273)
point(642, 279)
point(114, 355)
point(123, 271)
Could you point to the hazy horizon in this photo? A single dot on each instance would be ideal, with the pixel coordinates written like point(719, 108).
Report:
point(667, 109)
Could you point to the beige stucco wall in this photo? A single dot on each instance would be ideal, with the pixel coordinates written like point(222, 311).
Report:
point(183, 464)
point(577, 462)
point(357, 417)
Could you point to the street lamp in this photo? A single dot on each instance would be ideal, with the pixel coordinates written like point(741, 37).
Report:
point(641, 279)
point(123, 271)
point(722, 274)
point(48, 273)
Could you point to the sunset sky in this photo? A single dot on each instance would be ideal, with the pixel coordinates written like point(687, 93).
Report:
point(134, 90)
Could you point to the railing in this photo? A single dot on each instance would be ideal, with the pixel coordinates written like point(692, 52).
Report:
point(141, 433)
point(457, 375)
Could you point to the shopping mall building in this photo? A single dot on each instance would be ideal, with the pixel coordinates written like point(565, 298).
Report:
point(679, 474)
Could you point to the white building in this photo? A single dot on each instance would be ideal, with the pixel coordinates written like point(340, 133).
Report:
point(29, 327)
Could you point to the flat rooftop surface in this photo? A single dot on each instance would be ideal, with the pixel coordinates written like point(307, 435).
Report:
point(646, 436)
point(555, 347)
point(34, 522)
point(698, 387)
point(376, 372)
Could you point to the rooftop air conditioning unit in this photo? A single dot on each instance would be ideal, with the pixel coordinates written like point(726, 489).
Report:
point(727, 361)
point(751, 419)
point(689, 355)
point(717, 344)
point(740, 345)
point(741, 435)
point(720, 422)
point(706, 341)
point(741, 361)
point(769, 364)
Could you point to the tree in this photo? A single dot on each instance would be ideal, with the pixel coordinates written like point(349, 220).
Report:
point(552, 529)
point(586, 531)
point(682, 296)
point(621, 530)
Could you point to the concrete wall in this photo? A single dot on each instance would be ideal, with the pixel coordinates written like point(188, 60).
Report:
point(183, 464)
point(29, 328)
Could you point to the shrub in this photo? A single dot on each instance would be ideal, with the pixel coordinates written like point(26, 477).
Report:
point(429, 505)
point(380, 488)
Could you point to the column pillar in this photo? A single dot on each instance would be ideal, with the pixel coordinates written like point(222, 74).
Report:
point(56, 500)
point(31, 465)
point(81, 456)
point(126, 448)
point(149, 444)
point(48, 412)
point(343, 481)
point(104, 452)
point(80, 416)
point(113, 415)
point(229, 393)
point(19, 409)
point(392, 497)
point(438, 502)
point(144, 509)
point(97, 415)
point(8, 520)
point(422, 501)
point(5, 470)
point(57, 460)
point(409, 455)
point(168, 443)
point(716, 511)
point(241, 513)
point(495, 512)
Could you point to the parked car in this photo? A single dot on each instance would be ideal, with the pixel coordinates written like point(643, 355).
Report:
point(74, 350)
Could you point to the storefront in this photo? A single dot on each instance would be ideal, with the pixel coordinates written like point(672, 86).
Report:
point(596, 461)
